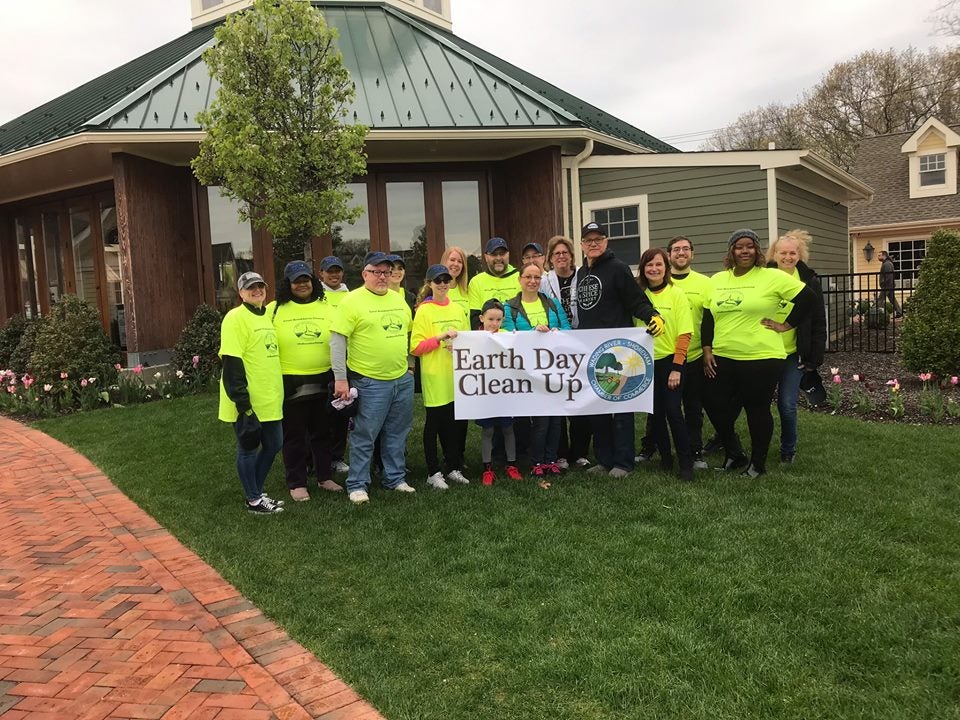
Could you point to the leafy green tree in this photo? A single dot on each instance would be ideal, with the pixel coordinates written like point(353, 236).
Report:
point(931, 325)
point(277, 139)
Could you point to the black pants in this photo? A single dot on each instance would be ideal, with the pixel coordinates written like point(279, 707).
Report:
point(667, 412)
point(307, 433)
point(439, 424)
point(750, 383)
point(693, 403)
point(575, 436)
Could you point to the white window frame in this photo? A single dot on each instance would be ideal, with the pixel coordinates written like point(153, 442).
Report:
point(935, 163)
point(641, 202)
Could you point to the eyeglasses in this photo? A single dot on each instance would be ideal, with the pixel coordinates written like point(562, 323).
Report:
point(560, 253)
point(592, 241)
point(530, 277)
point(679, 249)
point(379, 273)
point(531, 257)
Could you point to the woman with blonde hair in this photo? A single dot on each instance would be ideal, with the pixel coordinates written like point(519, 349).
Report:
point(455, 260)
point(804, 344)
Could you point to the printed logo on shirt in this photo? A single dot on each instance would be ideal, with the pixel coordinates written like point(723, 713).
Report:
point(269, 340)
point(620, 369)
point(307, 330)
point(730, 300)
point(589, 291)
point(391, 323)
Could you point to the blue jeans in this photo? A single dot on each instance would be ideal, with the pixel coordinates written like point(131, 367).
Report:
point(253, 466)
point(787, 392)
point(385, 405)
point(613, 440)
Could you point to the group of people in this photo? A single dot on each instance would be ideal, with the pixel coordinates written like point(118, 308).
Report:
point(295, 369)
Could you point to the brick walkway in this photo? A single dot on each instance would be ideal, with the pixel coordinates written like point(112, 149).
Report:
point(103, 614)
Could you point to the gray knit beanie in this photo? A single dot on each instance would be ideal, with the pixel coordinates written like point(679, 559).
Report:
point(742, 233)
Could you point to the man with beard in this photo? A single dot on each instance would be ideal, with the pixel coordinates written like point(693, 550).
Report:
point(499, 281)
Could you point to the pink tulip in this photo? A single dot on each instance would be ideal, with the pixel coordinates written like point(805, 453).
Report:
point(138, 370)
point(856, 378)
point(196, 361)
point(118, 367)
point(48, 387)
point(837, 380)
point(834, 371)
point(64, 376)
point(954, 380)
point(83, 383)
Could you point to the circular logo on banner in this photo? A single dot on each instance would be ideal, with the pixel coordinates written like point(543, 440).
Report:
point(619, 370)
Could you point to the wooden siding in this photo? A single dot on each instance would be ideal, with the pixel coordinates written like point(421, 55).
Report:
point(8, 269)
point(824, 219)
point(159, 251)
point(527, 199)
point(704, 203)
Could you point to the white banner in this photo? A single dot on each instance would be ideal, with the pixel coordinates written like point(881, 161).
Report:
point(568, 372)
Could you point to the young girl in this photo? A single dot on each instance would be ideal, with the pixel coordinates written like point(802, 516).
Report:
point(491, 318)
point(438, 320)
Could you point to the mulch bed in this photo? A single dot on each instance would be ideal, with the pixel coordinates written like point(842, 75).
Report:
point(874, 370)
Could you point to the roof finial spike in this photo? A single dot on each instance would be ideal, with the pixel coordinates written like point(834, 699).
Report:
point(382, 116)
point(378, 82)
point(516, 114)
point(198, 86)
point(409, 115)
point(538, 114)
point(426, 82)
point(403, 85)
point(491, 114)
point(451, 86)
point(470, 82)
point(494, 84)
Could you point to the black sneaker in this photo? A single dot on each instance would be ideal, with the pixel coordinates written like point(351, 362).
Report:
point(263, 507)
point(645, 456)
point(264, 496)
point(698, 462)
point(753, 472)
point(734, 463)
point(787, 458)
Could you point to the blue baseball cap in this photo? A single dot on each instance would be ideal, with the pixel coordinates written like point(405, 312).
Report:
point(435, 271)
point(295, 269)
point(397, 260)
point(377, 258)
point(536, 246)
point(330, 261)
point(494, 244)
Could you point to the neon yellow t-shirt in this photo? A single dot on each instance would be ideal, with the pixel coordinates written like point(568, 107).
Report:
point(303, 333)
point(376, 328)
point(783, 311)
point(252, 338)
point(461, 299)
point(436, 366)
point(334, 298)
point(484, 286)
point(696, 286)
point(674, 308)
point(739, 304)
point(535, 313)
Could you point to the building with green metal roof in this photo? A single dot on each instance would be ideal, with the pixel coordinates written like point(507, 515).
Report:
point(97, 198)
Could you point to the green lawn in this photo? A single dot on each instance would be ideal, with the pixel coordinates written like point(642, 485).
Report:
point(831, 590)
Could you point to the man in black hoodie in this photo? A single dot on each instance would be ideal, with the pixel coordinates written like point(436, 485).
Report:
point(609, 297)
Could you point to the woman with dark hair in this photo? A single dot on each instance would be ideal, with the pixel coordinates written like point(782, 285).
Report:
point(805, 344)
point(743, 352)
point(301, 317)
point(669, 357)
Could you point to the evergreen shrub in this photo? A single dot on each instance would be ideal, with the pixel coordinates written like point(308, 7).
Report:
point(10, 335)
point(931, 326)
point(71, 340)
point(200, 338)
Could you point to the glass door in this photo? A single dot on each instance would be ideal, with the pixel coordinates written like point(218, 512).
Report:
point(113, 274)
point(27, 260)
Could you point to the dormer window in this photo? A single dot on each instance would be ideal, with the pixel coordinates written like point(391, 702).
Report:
point(933, 169)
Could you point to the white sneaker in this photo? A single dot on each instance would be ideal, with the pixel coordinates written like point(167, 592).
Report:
point(562, 464)
point(598, 470)
point(404, 488)
point(358, 497)
point(582, 462)
point(435, 481)
point(340, 466)
point(619, 473)
point(457, 477)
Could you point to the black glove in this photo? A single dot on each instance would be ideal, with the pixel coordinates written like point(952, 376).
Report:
point(248, 431)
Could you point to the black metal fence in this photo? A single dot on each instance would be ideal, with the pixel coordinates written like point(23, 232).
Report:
point(860, 316)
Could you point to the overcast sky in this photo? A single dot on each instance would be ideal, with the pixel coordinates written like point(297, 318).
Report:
point(671, 68)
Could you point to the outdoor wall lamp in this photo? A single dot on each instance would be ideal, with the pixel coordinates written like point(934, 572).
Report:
point(868, 251)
